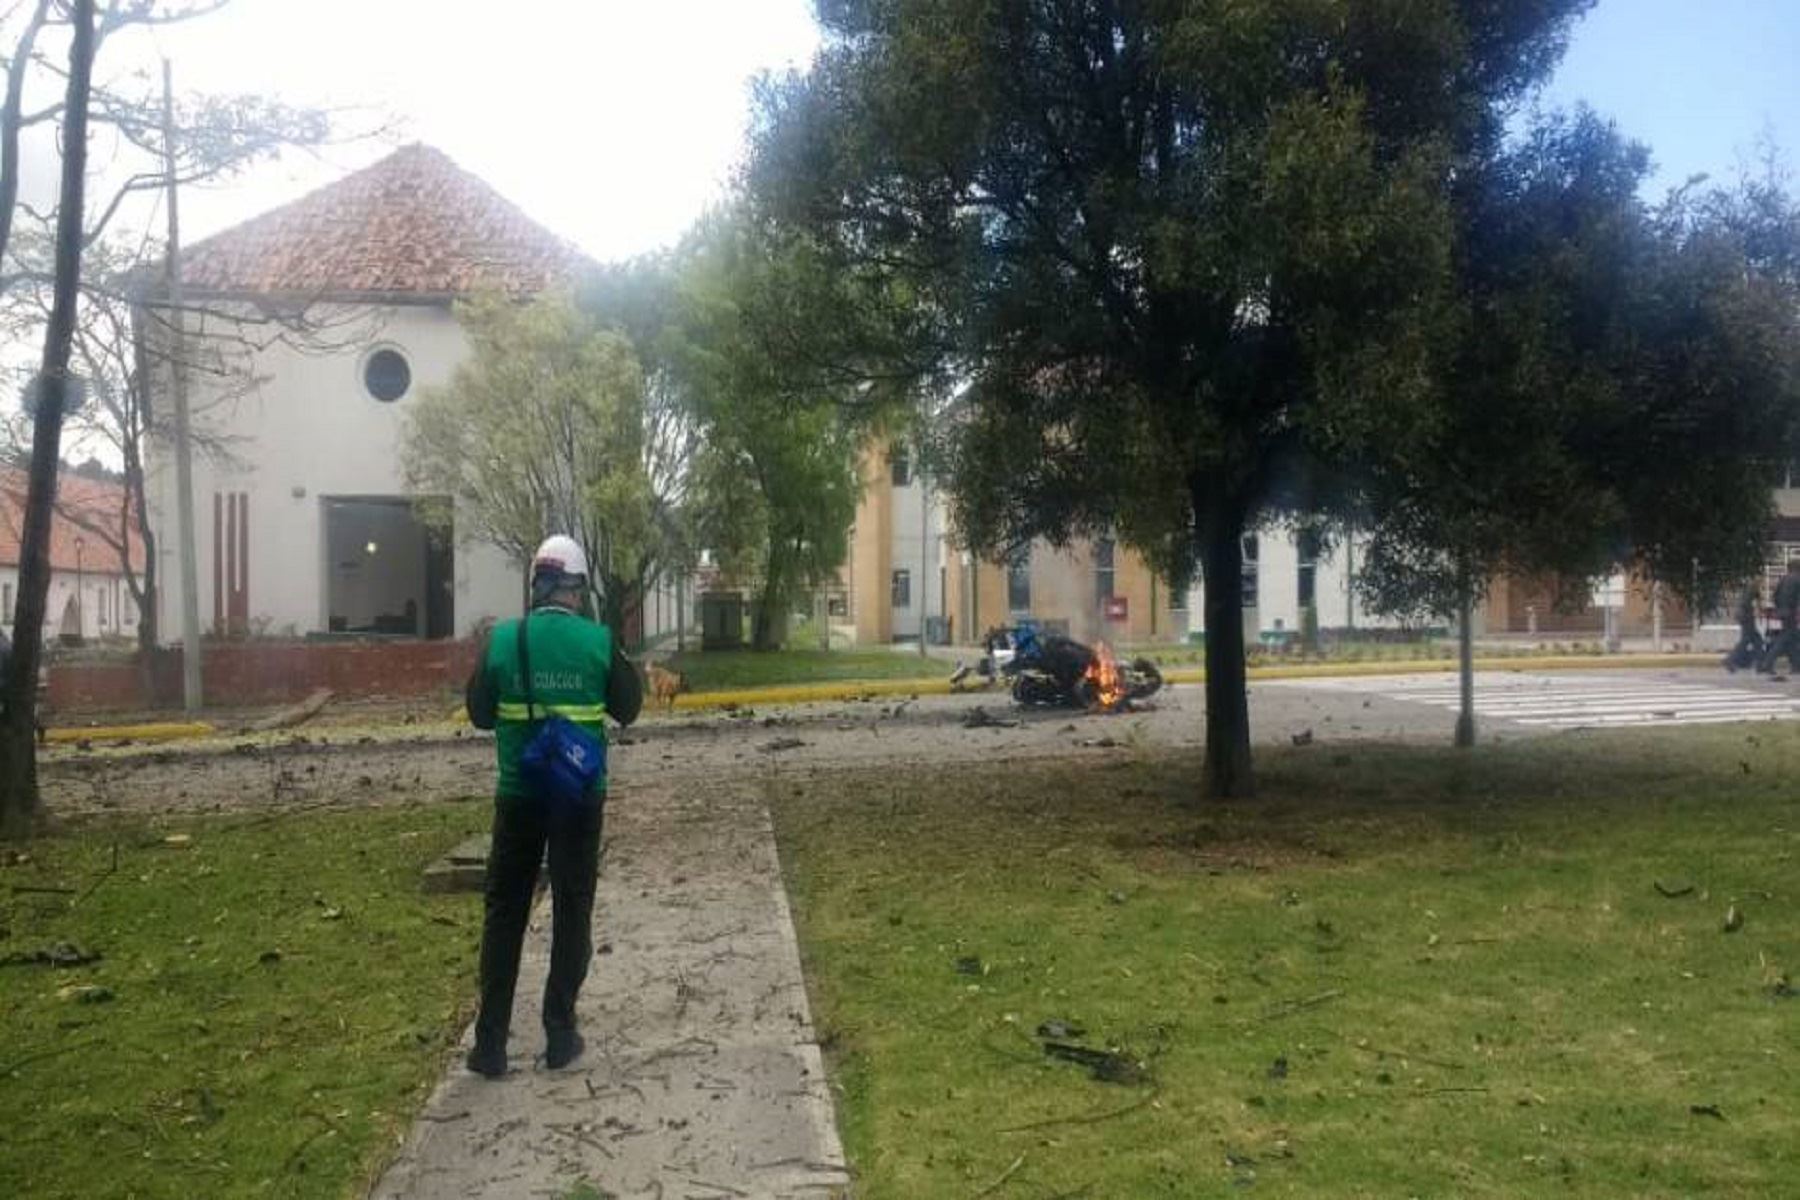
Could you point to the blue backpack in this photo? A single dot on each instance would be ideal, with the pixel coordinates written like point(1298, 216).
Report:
point(563, 764)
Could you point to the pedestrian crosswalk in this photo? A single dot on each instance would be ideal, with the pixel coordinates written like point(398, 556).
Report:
point(1579, 701)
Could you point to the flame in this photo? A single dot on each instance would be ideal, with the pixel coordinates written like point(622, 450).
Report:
point(1107, 681)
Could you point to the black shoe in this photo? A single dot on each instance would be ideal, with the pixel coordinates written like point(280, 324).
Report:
point(488, 1061)
point(562, 1049)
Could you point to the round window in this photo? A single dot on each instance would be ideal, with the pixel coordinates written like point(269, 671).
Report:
point(386, 375)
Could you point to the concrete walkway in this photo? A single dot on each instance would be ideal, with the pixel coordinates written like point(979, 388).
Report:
point(702, 1076)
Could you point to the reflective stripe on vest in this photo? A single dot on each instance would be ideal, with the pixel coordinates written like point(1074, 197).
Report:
point(575, 712)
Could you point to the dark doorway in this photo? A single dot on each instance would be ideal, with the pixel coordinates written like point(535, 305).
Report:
point(386, 572)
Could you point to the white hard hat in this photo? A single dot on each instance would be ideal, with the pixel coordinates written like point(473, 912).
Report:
point(561, 553)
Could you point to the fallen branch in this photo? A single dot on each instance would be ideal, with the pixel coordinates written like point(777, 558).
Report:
point(41, 1055)
point(299, 714)
point(1085, 1119)
point(102, 878)
point(717, 1187)
point(1001, 1182)
point(583, 1137)
point(1380, 1052)
point(1288, 1008)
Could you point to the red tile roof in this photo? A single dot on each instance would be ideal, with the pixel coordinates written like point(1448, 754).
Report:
point(95, 503)
point(412, 226)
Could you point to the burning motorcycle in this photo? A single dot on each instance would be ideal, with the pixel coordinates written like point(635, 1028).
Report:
point(1050, 670)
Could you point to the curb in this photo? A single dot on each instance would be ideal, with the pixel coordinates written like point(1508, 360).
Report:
point(871, 689)
point(161, 731)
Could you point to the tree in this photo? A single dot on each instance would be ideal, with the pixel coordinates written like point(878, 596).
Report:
point(638, 299)
point(1189, 258)
point(540, 431)
point(18, 693)
point(779, 440)
point(1618, 391)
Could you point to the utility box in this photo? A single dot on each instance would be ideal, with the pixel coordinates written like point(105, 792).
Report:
point(721, 621)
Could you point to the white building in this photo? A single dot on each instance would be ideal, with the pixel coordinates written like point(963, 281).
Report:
point(304, 525)
point(1285, 572)
point(89, 599)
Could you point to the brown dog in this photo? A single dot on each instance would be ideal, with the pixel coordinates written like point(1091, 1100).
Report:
point(665, 685)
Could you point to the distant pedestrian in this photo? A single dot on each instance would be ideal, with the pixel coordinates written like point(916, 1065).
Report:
point(1750, 645)
point(545, 685)
point(1787, 611)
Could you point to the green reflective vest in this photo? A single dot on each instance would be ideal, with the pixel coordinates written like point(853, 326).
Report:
point(570, 658)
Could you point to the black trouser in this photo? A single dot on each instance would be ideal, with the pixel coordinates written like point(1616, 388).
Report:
point(522, 829)
point(1749, 649)
point(1786, 643)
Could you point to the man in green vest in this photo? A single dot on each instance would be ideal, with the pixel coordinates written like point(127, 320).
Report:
point(577, 672)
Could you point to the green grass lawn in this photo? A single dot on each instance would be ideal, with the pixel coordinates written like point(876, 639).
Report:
point(727, 670)
point(1400, 972)
point(281, 998)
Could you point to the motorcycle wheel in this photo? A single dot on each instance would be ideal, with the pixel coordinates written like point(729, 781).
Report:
point(1145, 680)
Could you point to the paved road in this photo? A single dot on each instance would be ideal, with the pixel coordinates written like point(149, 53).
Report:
point(1589, 700)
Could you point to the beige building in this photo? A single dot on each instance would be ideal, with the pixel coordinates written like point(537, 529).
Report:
point(906, 573)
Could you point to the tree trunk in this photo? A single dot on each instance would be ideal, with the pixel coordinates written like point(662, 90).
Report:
point(18, 692)
point(1228, 772)
point(768, 621)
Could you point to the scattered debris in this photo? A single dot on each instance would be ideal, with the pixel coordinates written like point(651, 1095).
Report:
point(1673, 891)
point(85, 993)
point(1303, 738)
point(979, 718)
point(1288, 1008)
point(62, 954)
point(1107, 1066)
point(1734, 919)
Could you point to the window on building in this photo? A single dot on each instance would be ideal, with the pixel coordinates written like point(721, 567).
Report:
point(900, 467)
point(1306, 547)
point(103, 597)
point(1018, 582)
point(1252, 550)
point(387, 374)
point(902, 588)
point(1105, 574)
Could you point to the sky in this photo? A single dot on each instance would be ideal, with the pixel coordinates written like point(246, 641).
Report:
point(616, 122)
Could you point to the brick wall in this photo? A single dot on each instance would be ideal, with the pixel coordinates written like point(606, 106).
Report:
point(252, 673)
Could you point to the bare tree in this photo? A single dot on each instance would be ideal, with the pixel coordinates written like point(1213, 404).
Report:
point(18, 749)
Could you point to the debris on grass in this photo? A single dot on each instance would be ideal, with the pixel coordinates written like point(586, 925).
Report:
point(1107, 1066)
point(1706, 1110)
point(85, 993)
point(979, 718)
point(1060, 1030)
point(970, 965)
point(1734, 919)
point(61, 954)
point(1673, 891)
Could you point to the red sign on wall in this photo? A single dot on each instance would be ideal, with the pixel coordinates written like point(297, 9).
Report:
point(1118, 608)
